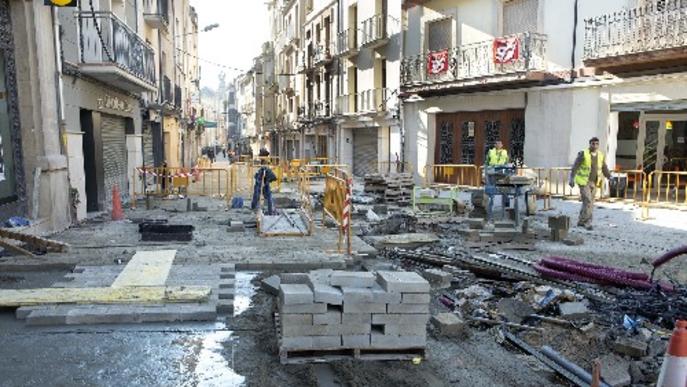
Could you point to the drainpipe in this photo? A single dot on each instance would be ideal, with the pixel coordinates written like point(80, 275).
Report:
point(573, 74)
point(59, 81)
point(401, 110)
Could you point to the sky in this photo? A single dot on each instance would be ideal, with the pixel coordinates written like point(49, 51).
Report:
point(243, 27)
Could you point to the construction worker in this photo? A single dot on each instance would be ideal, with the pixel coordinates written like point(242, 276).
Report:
point(588, 172)
point(497, 156)
point(263, 177)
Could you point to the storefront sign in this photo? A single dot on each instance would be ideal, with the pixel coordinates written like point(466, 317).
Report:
point(506, 50)
point(114, 103)
point(437, 62)
point(62, 3)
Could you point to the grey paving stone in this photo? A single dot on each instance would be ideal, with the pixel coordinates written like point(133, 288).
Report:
point(415, 298)
point(271, 284)
point(405, 330)
point(380, 295)
point(326, 342)
point(403, 282)
point(408, 308)
point(397, 342)
point(449, 324)
point(293, 278)
point(356, 318)
point(364, 308)
point(312, 308)
point(296, 319)
point(362, 279)
point(327, 294)
point(225, 307)
point(402, 319)
point(331, 317)
point(357, 295)
point(291, 294)
point(355, 341)
point(296, 342)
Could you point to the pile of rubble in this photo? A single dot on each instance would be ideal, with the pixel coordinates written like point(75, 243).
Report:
point(395, 189)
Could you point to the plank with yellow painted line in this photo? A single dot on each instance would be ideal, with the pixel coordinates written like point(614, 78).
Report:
point(109, 295)
point(146, 268)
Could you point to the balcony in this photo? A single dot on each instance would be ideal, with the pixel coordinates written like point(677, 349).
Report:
point(155, 13)
point(373, 32)
point(113, 53)
point(474, 66)
point(324, 54)
point(347, 42)
point(167, 92)
point(647, 37)
point(178, 101)
point(365, 102)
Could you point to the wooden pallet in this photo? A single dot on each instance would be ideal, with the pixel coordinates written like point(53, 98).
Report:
point(326, 355)
point(34, 242)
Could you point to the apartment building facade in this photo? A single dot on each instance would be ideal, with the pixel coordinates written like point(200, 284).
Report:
point(545, 76)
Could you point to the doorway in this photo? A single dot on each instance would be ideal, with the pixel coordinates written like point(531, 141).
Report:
point(662, 142)
point(89, 156)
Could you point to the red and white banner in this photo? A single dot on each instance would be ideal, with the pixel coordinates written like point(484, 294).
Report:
point(437, 62)
point(506, 50)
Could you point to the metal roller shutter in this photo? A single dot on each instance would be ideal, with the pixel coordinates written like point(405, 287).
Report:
point(114, 157)
point(364, 151)
point(148, 146)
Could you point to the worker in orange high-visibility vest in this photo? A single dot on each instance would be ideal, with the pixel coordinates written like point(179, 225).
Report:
point(588, 172)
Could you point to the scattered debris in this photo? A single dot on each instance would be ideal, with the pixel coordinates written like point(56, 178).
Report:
point(439, 279)
point(574, 310)
point(157, 232)
point(630, 347)
point(449, 324)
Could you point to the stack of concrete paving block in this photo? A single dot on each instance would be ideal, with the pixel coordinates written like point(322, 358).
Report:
point(360, 312)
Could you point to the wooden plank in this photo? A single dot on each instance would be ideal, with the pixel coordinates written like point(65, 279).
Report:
point(16, 249)
point(38, 242)
point(142, 294)
point(146, 268)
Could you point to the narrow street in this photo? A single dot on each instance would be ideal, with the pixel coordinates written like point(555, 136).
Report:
point(343, 193)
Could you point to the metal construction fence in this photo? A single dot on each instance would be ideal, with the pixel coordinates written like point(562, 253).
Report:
point(337, 205)
point(165, 181)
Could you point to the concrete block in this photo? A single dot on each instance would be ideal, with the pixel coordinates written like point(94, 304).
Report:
point(361, 279)
point(449, 324)
point(355, 341)
point(403, 282)
point(397, 342)
point(291, 294)
point(615, 370)
point(356, 295)
point(46, 316)
point(561, 222)
point(356, 318)
point(293, 278)
point(364, 308)
point(320, 276)
point(475, 223)
point(380, 295)
point(571, 241)
point(402, 319)
point(296, 342)
point(296, 319)
point(405, 330)
point(225, 306)
point(226, 294)
point(231, 275)
point(311, 308)
point(504, 224)
point(415, 298)
point(437, 278)
point(330, 317)
point(573, 310)
point(22, 312)
point(327, 294)
point(226, 284)
point(236, 226)
point(228, 268)
point(325, 330)
point(558, 234)
point(271, 285)
point(407, 308)
point(326, 342)
point(627, 346)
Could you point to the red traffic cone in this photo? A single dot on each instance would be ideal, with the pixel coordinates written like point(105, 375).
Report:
point(117, 213)
point(674, 369)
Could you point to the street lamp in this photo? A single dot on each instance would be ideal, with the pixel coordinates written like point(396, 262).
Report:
point(207, 28)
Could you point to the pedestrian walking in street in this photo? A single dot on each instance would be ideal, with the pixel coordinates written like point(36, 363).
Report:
point(588, 172)
point(263, 177)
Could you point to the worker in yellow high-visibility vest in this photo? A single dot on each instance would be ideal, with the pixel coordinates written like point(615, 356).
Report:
point(588, 172)
point(497, 156)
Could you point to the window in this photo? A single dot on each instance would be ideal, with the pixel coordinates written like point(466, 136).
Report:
point(439, 34)
point(520, 16)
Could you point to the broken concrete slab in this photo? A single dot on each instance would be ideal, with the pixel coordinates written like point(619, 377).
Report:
point(449, 324)
point(514, 310)
point(271, 285)
point(615, 370)
point(437, 278)
point(574, 310)
point(630, 347)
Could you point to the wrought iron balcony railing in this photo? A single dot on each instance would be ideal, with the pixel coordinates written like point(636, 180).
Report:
point(347, 42)
point(156, 13)
point(368, 101)
point(373, 30)
point(323, 53)
point(477, 62)
point(177, 97)
point(167, 92)
point(106, 40)
point(658, 25)
point(346, 104)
